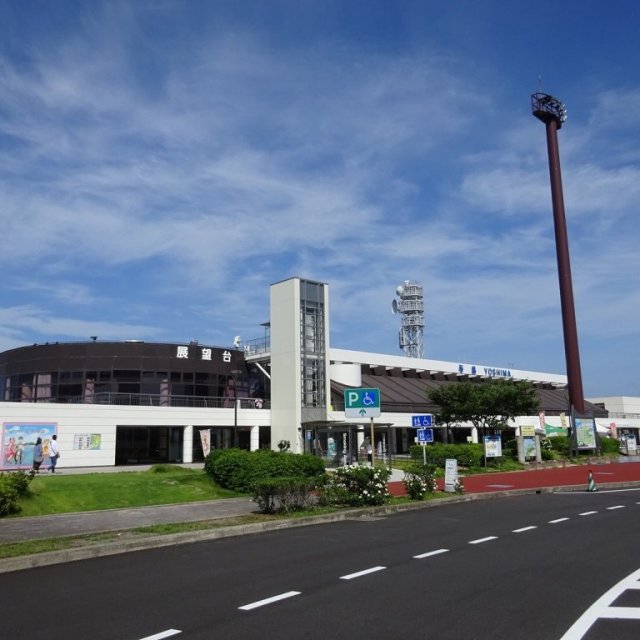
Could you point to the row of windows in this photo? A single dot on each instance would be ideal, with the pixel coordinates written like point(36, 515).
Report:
point(58, 387)
point(130, 375)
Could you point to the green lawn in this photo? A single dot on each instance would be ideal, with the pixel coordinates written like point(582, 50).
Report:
point(95, 491)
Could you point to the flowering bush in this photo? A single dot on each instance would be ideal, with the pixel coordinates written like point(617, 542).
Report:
point(419, 480)
point(356, 486)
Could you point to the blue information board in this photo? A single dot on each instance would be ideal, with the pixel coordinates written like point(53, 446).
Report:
point(425, 435)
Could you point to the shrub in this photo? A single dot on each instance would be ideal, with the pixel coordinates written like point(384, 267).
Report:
point(355, 486)
point(13, 486)
point(467, 455)
point(610, 445)
point(560, 445)
point(419, 480)
point(283, 494)
point(239, 470)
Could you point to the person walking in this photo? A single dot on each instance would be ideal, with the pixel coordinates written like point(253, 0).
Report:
point(54, 453)
point(38, 456)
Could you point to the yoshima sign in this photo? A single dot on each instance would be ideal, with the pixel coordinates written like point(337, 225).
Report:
point(361, 403)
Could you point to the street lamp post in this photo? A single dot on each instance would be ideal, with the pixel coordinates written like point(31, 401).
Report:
point(553, 113)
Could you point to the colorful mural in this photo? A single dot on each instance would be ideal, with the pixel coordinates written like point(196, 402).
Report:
point(18, 440)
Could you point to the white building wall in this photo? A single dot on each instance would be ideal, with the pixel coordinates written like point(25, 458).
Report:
point(77, 419)
point(620, 404)
point(286, 402)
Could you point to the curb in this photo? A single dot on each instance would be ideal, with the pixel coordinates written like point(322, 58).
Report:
point(33, 561)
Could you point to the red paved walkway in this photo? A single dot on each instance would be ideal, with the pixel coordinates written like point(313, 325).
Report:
point(578, 475)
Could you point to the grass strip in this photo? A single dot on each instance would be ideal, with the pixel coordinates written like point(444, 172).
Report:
point(97, 491)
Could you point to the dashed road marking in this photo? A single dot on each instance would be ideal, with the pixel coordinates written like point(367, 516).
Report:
point(587, 513)
point(523, 529)
point(601, 608)
point(558, 520)
point(262, 603)
point(618, 506)
point(430, 553)
point(358, 574)
point(481, 540)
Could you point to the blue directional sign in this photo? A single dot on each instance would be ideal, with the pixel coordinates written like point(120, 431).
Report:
point(425, 435)
point(422, 421)
point(361, 403)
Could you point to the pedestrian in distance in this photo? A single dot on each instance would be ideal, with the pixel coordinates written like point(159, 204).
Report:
point(54, 453)
point(38, 455)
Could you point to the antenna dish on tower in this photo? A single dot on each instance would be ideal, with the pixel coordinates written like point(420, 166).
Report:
point(410, 305)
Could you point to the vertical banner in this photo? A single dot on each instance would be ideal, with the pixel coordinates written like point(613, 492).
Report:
point(205, 439)
point(542, 419)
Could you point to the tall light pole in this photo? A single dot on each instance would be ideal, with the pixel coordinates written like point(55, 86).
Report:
point(553, 113)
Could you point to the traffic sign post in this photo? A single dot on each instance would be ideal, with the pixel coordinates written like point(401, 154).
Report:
point(424, 436)
point(363, 403)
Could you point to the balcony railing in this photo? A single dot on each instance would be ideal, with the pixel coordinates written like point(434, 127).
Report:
point(159, 400)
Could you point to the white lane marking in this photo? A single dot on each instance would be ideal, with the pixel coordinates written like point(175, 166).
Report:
point(523, 529)
point(587, 513)
point(618, 506)
point(163, 634)
point(558, 520)
point(430, 553)
point(262, 603)
point(362, 573)
point(600, 608)
point(625, 613)
point(481, 540)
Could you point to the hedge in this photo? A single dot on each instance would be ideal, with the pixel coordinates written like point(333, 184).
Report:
point(467, 455)
point(240, 470)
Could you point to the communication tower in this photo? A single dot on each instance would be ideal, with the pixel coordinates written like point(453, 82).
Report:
point(411, 308)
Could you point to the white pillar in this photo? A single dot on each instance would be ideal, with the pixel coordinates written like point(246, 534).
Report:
point(474, 435)
point(187, 444)
point(254, 442)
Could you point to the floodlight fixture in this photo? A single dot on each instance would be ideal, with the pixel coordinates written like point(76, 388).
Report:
point(547, 108)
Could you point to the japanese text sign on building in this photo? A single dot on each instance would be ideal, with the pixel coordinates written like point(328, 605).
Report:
point(206, 353)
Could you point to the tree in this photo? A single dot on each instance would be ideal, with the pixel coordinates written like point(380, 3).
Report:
point(487, 405)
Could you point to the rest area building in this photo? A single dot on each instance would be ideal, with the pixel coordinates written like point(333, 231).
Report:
point(135, 402)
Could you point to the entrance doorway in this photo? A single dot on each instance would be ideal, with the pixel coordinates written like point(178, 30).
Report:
point(148, 445)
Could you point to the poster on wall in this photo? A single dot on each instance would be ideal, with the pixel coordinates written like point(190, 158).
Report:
point(18, 441)
point(87, 441)
point(529, 447)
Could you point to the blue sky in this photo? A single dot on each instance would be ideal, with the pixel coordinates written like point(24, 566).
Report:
point(163, 162)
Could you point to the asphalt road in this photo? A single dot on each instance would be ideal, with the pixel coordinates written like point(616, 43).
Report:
point(525, 567)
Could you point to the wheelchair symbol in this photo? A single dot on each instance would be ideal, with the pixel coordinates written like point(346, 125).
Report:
point(367, 400)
